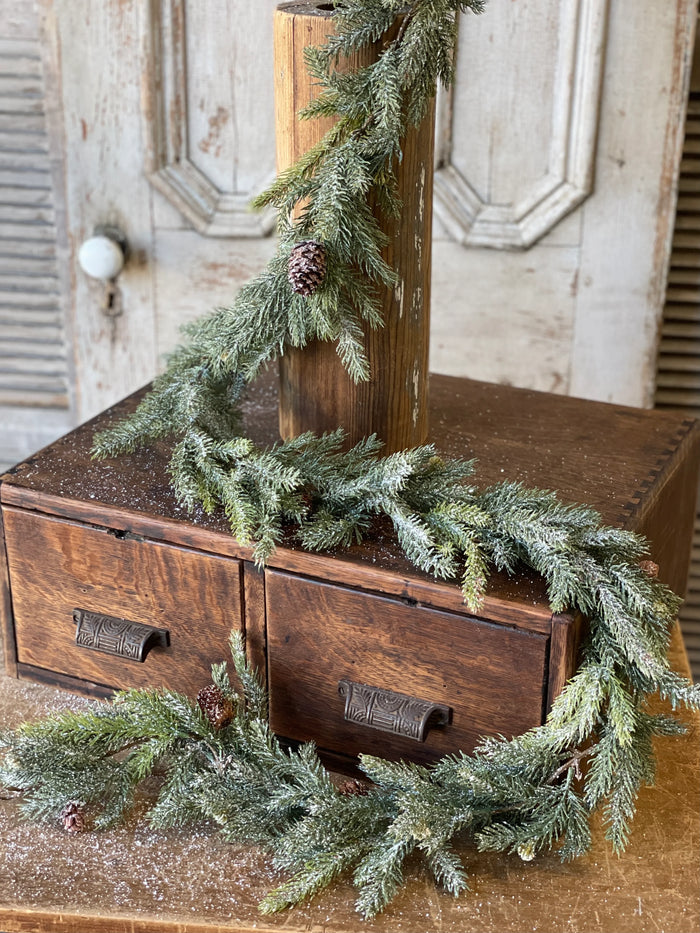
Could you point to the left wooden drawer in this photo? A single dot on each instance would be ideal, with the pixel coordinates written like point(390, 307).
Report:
point(59, 569)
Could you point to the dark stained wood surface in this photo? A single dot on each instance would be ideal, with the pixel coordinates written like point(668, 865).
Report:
point(598, 454)
point(640, 470)
point(615, 459)
point(316, 394)
point(254, 614)
point(7, 627)
point(490, 676)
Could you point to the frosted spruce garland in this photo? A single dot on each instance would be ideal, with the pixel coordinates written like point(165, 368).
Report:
point(524, 795)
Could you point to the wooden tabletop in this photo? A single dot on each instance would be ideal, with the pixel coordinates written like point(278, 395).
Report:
point(134, 880)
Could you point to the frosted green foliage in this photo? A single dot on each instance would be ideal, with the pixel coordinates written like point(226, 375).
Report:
point(525, 795)
point(197, 398)
point(329, 497)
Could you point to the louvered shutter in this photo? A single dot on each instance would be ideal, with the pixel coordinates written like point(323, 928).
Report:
point(33, 367)
point(678, 371)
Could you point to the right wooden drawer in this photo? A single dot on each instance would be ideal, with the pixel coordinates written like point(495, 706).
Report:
point(344, 664)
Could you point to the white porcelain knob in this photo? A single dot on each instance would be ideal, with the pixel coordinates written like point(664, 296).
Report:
point(101, 257)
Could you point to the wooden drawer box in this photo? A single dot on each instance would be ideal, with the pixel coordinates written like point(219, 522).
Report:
point(326, 642)
point(114, 584)
point(361, 652)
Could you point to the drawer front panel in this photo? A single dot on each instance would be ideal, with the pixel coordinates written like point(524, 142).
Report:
point(124, 594)
point(323, 640)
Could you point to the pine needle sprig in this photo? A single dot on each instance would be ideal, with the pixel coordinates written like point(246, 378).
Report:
point(325, 196)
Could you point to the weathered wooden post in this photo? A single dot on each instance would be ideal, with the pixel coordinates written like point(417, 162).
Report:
point(315, 391)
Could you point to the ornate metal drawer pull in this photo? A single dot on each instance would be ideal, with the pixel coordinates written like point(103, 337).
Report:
point(121, 637)
point(391, 712)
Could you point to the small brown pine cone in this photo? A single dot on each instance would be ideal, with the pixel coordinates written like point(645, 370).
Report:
point(649, 567)
point(353, 789)
point(216, 707)
point(307, 267)
point(73, 818)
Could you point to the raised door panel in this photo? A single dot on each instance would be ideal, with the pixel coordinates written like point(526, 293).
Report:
point(209, 120)
point(523, 136)
point(563, 132)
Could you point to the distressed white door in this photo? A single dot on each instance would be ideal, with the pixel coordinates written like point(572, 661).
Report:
point(558, 154)
point(166, 132)
point(556, 194)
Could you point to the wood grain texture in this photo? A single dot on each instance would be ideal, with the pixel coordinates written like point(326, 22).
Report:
point(490, 676)
point(59, 566)
point(511, 322)
point(376, 564)
point(525, 158)
point(315, 391)
point(568, 630)
point(207, 130)
point(216, 268)
point(653, 510)
point(612, 457)
point(636, 467)
point(627, 225)
point(96, 71)
point(42, 921)
point(132, 493)
point(594, 453)
point(86, 688)
point(7, 625)
point(585, 322)
point(255, 624)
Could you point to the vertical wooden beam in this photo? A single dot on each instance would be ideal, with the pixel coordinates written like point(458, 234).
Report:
point(315, 391)
point(564, 645)
point(7, 624)
point(254, 618)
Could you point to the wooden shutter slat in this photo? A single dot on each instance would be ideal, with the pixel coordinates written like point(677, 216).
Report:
point(33, 367)
point(678, 366)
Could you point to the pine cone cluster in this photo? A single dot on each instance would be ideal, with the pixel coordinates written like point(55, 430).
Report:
point(307, 267)
point(216, 707)
point(650, 568)
point(73, 818)
point(353, 789)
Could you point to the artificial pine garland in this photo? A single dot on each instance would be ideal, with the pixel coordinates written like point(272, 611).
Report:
point(220, 760)
point(522, 795)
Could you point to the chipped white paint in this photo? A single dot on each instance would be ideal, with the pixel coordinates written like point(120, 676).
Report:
point(417, 372)
point(208, 139)
point(530, 162)
point(504, 317)
point(579, 311)
point(417, 303)
point(421, 195)
point(187, 264)
point(628, 223)
point(399, 295)
point(418, 249)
